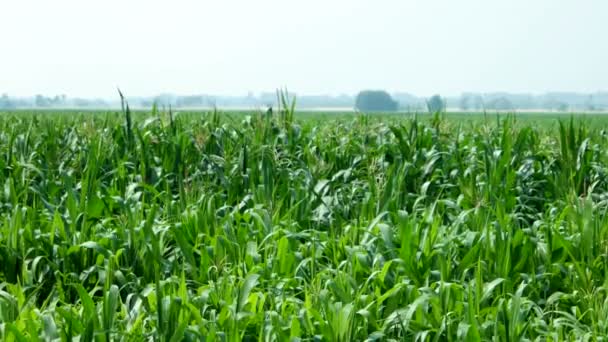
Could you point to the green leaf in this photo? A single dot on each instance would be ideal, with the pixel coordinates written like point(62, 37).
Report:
point(247, 285)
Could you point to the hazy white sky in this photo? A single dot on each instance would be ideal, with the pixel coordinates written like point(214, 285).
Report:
point(87, 48)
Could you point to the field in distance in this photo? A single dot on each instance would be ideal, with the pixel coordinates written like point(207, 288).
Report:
point(551, 118)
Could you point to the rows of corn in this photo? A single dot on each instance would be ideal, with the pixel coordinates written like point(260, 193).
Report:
point(160, 227)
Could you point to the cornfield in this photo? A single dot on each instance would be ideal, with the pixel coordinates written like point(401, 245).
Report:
point(265, 227)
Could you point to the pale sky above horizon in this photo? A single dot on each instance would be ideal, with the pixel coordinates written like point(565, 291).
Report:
point(88, 48)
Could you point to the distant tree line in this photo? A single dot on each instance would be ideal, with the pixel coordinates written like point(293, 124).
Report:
point(563, 101)
point(496, 101)
point(57, 101)
point(366, 100)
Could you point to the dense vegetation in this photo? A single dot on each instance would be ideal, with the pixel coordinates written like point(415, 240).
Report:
point(375, 101)
point(435, 104)
point(263, 227)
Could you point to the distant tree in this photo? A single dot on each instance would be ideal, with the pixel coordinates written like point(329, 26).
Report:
point(501, 103)
point(554, 104)
point(190, 101)
point(477, 102)
point(58, 100)
point(42, 101)
point(465, 102)
point(589, 105)
point(5, 102)
point(375, 101)
point(79, 102)
point(435, 104)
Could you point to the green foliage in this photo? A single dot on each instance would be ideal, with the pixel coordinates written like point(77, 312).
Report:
point(375, 101)
point(435, 104)
point(171, 226)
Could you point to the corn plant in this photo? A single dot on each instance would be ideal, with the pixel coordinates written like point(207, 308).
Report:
point(271, 226)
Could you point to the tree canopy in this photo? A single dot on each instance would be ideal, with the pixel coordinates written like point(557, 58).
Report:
point(435, 104)
point(375, 100)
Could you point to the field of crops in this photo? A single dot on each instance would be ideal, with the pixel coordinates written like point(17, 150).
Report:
point(273, 227)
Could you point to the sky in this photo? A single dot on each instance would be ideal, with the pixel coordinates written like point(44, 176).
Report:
point(229, 47)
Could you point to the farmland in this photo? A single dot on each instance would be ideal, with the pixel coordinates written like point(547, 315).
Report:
point(120, 226)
